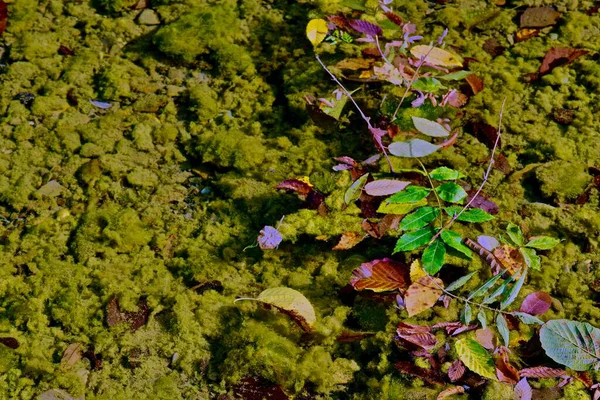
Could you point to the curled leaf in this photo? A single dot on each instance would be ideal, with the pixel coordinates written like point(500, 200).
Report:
point(353, 192)
point(505, 371)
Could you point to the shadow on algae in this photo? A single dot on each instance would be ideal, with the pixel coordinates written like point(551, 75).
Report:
point(124, 219)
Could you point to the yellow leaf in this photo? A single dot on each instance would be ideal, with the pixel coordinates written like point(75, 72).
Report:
point(306, 180)
point(436, 56)
point(422, 295)
point(316, 30)
point(416, 271)
point(291, 302)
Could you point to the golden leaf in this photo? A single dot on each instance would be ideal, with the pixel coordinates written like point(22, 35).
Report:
point(316, 30)
point(422, 295)
point(436, 56)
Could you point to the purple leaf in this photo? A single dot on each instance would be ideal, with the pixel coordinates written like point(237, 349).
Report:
point(482, 202)
point(269, 238)
point(488, 242)
point(101, 104)
point(365, 27)
point(385, 187)
point(536, 303)
point(372, 160)
point(456, 371)
point(523, 390)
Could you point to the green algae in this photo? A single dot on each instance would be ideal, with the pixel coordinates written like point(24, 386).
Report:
point(220, 84)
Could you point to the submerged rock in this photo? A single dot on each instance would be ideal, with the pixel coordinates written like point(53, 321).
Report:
point(148, 17)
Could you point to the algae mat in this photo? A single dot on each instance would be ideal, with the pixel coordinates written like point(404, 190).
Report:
point(140, 146)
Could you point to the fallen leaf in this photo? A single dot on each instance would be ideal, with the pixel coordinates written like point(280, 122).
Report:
point(475, 357)
point(56, 394)
point(3, 16)
point(526, 34)
point(378, 229)
point(269, 238)
point(65, 51)
point(523, 390)
point(135, 319)
point(416, 271)
point(484, 132)
point(501, 164)
point(422, 295)
point(542, 372)
point(485, 255)
point(536, 303)
point(10, 342)
point(296, 185)
point(72, 354)
point(354, 64)
point(510, 257)
point(456, 371)
point(385, 187)
point(563, 115)
point(539, 17)
point(340, 21)
point(585, 378)
point(316, 31)
point(418, 335)
point(366, 27)
point(381, 276)
point(436, 56)
point(505, 372)
point(258, 388)
point(348, 241)
point(141, 4)
point(428, 375)
point(486, 338)
point(483, 202)
point(493, 47)
point(351, 336)
point(95, 359)
point(395, 18)
point(559, 56)
point(475, 83)
point(450, 391)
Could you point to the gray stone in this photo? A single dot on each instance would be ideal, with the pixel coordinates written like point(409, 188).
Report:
point(148, 17)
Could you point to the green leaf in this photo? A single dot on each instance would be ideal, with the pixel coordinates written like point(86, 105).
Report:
point(455, 76)
point(353, 192)
point(418, 219)
point(412, 148)
point(482, 318)
point(532, 260)
point(571, 343)
point(542, 242)
point(514, 291)
point(430, 128)
point(400, 209)
point(433, 257)
point(515, 234)
point(460, 282)
point(430, 85)
point(485, 287)
point(499, 290)
point(527, 318)
point(445, 174)
point(469, 215)
point(454, 240)
point(467, 315)
point(451, 192)
point(411, 194)
point(413, 240)
point(502, 327)
point(476, 357)
point(337, 109)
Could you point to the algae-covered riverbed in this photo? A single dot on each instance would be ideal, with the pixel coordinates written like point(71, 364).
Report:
point(140, 146)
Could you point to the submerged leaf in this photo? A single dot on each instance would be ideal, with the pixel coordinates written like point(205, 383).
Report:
point(291, 302)
point(422, 295)
point(436, 56)
point(385, 187)
point(412, 148)
point(316, 30)
point(353, 192)
point(413, 240)
point(571, 343)
point(536, 303)
point(430, 128)
point(381, 276)
point(476, 358)
point(433, 257)
point(419, 218)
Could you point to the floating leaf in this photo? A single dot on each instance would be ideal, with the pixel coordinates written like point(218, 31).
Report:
point(542, 372)
point(523, 391)
point(454, 240)
point(289, 301)
point(400, 209)
point(515, 234)
point(502, 327)
point(466, 315)
point(452, 390)
point(430, 128)
point(460, 282)
point(411, 194)
point(469, 215)
point(436, 56)
point(412, 148)
point(527, 318)
point(353, 192)
point(542, 242)
point(539, 17)
point(455, 76)
point(514, 291)
point(488, 242)
point(348, 241)
point(422, 295)
point(413, 240)
point(531, 259)
point(445, 174)
point(451, 192)
point(419, 218)
point(269, 238)
point(536, 303)
point(381, 276)
point(366, 27)
point(456, 371)
point(316, 30)
point(571, 343)
point(417, 335)
point(433, 257)
point(476, 358)
point(385, 187)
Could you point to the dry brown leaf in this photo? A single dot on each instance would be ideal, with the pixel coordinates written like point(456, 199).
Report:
point(72, 354)
point(493, 47)
point(450, 391)
point(539, 17)
point(422, 295)
point(511, 258)
point(378, 229)
point(416, 334)
point(429, 375)
point(475, 83)
point(354, 64)
point(349, 240)
point(486, 338)
point(504, 370)
point(559, 56)
point(456, 371)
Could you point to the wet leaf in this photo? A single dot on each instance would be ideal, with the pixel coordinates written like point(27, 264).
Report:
point(433, 257)
point(422, 295)
point(455, 76)
point(488, 242)
point(412, 148)
point(536, 303)
point(269, 238)
point(452, 390)
point(514, 291)
point(527, 318)
point(3, 16)
point(466, 315)
point(418, 335)
point(502, 327)
point(385, 187)
point(302, 188)
point(436, 56)
point(460, 282)
point(349, 240)
point(515, 234)
point(72, 354)
point(542, 372)
point(430, 128)
point(381, 276)
point(10, 342)
point(353, 192)
point(475, 357)
point(559, 56)
point(366, 27)
point(413, 240)
point(400, 209)
point(472, 215)
point(475, 83)
point(542, 242)
point(429, 375)
point(289, 301)
point(445, 174)
point(395, 18)
point(418, 219)
point(316, 30)
point(539, 17)
point(486, 338)
point(456, 371)
point(505, 371)
point(451, 192)
point(411, 194)
point(258, 389)
point(571, 343)
point(454, 240)
point(523, 390)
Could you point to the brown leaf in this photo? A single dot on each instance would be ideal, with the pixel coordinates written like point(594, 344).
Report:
point(381, 276)
point(585, 378)
point(3, 16)
point(504, 370)
point(563, 115)
point(483, 202)
point(141, 4)
point(95, 359)
point(526, 34)
point(475, 83)
point(354, 64)
point(295, 185)
point(348, 240)
point(10, 342)
point(539, 17)
point(352, 336)
point(340, 21)
point(542, 372)
point(452, 390)
point(428, 375)
point(394, 18)
point(113, 313)
point(456, 371)
point(200, 288)
point(258, 388)
point(493, 47)
point(416, 334)
point(511, 258)
point(593, 10)
point(484, 132)
point(486, 338)
point(422, 295)
point(372, 52)
point(72, 354)
point(559, 56)
point(501, 164)
point(65, 51)
point(378, 229)
point(485, 255)
point(135, 319)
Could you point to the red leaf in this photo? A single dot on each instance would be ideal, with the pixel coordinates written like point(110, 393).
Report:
point(504, 370)
point(559, 56)
point(417, 335)
point(365, 27)
point(456, 370)
point(381, 276)
point(428, 375)
point(394, 18)
point(536, 303)
point(385, 187)
point(475, 83)
point(258, 389)
point(3, 16)
point(542, 372)
point(296, 185)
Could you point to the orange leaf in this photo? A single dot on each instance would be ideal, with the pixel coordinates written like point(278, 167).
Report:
point(381, 276)
point(348, 240)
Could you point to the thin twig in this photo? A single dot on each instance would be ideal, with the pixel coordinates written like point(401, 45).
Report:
point(381, 52)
